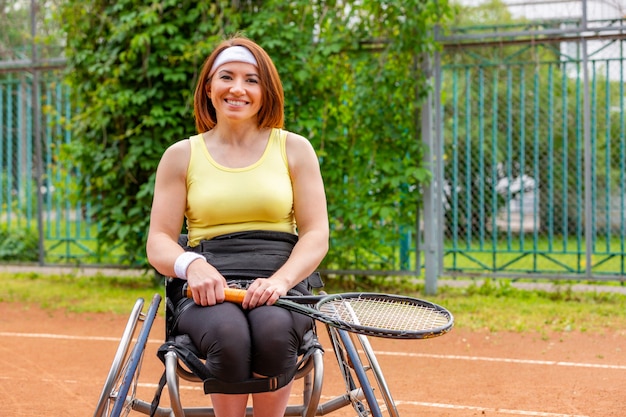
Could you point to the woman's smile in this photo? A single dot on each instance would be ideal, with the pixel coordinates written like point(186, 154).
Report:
point(236, 103)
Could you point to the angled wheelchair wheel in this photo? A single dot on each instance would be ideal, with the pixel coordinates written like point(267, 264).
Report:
point(120, 358)
point(119, 390)
point(374, 369)
point(367, 399)
point(359, 390)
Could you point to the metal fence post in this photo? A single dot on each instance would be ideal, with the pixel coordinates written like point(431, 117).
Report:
point(587, 150)
point(431, 240)
point(36, 108)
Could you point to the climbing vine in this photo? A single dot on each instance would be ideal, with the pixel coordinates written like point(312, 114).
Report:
point(353, 85)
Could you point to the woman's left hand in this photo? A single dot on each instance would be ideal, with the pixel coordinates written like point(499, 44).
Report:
point(263, 291)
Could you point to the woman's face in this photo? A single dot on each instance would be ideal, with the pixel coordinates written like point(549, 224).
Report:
point(235, 91)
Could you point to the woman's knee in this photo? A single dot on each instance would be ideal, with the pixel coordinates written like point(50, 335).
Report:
point(221, 333)
point(218, 330)
point(275, 341)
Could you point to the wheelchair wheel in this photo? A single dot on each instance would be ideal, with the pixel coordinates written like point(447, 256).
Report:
point(121, 356)
point(376, 371)
point(360, 391)
point(119, 390)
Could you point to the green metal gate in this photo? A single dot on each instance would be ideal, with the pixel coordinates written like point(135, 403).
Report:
point(531, 157)
point(67, 232)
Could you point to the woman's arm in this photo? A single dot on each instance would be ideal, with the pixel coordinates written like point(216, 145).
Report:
point(168, 208)
point(166, 219)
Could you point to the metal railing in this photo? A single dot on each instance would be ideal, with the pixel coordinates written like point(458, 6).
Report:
point(532, 150)
point(68, 231)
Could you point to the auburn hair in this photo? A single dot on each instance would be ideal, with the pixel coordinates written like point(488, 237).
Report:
point(272, 112)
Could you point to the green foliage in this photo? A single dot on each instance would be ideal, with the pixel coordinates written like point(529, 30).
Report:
point(18, 244)
point(353, 86)
point(133, 67)
point(16, 36)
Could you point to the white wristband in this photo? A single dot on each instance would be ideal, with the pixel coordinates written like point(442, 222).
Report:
point(183, 261)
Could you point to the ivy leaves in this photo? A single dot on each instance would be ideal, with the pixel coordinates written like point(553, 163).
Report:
point(351, 86)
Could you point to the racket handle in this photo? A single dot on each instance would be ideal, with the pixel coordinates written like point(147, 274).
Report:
point(234, 295)
point(231, 294)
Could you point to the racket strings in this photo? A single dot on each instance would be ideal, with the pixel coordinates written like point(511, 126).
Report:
point(394, 315)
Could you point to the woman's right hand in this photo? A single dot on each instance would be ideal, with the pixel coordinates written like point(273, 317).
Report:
point(206, 283)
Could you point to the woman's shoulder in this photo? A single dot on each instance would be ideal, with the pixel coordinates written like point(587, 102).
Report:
point(299, 149)
point(294, 139)
point(183, 145)
point(297, 141)
point(178, 151)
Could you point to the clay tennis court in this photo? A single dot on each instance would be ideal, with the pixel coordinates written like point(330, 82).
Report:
point(54, 363)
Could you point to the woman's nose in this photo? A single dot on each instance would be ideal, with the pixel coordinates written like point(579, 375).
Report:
point(237, 88)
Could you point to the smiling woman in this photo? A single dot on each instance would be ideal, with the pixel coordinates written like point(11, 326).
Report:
point(253, 201)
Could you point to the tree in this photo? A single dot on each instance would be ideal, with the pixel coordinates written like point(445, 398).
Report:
point(351, 85)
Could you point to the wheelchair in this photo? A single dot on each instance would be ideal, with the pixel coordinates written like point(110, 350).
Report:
point(366, 390)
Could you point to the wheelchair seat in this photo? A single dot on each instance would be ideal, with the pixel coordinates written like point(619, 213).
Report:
point(181, 358)
point(192, 368)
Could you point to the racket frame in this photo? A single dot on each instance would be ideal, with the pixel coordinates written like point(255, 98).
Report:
point(311, 305)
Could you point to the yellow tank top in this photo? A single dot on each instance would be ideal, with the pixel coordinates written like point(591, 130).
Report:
point(222, 200)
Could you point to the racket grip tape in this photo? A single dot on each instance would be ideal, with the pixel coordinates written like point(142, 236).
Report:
point(233, 295)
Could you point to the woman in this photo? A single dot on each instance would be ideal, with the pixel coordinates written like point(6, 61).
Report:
point(255, 209)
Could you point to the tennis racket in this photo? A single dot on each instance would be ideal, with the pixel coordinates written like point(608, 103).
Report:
point(371, 314)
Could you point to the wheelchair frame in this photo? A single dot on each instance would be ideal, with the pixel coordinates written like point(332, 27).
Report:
point(359, 372)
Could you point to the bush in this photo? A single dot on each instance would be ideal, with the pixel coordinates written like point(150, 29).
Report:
point(18, 244)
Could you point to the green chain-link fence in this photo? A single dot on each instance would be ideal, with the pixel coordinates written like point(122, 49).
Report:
point(534, 152)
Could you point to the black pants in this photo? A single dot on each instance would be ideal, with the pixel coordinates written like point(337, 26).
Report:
point(237, 342)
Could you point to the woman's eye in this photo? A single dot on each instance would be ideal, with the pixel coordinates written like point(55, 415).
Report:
point(253, 81)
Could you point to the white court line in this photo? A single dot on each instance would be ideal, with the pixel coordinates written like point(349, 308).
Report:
point(421, 404)
point(69, 337)
point(504, 360)
point(327, 398)
point(382, 353)
point(488, 410)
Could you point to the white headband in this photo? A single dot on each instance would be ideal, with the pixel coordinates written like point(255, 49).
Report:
point(233, 54)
